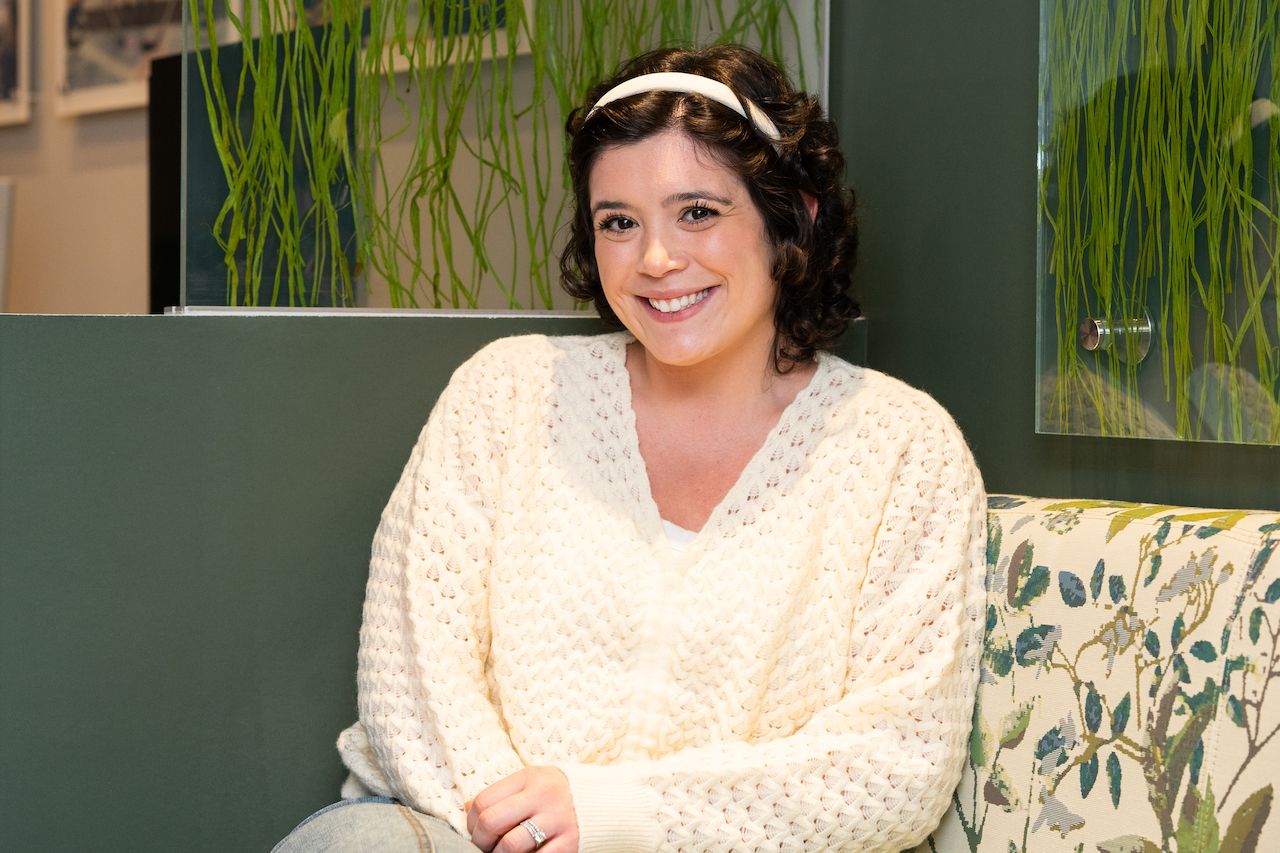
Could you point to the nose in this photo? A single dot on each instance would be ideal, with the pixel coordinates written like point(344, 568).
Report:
point(661, 255)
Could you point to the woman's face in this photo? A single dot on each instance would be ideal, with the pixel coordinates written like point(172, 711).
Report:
point(682, 251)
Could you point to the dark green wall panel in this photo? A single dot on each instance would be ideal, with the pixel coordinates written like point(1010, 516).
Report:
point(186, 507)
point(937, 106)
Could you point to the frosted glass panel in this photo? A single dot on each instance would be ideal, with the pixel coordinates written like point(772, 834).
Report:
point(407, 153)
point(1159, 207)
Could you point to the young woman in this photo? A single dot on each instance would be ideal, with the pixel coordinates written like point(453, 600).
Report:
point(696, 585)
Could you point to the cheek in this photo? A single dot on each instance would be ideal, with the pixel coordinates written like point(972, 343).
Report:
point(609, 264)
point(754, 263)
point(768, 256)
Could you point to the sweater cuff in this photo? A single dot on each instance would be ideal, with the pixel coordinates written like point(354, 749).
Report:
point(616, 812)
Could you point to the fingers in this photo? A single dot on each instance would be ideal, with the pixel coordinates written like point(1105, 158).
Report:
point(501, 822)
point(520, 839)
point(495, 793)
point(559, 844)
point(490, 813)
point(539, 794)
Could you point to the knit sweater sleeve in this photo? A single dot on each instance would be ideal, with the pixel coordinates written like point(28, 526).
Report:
point(875, 770)
point(434, 737)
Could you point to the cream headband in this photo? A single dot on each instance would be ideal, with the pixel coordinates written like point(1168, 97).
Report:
point(678, 81)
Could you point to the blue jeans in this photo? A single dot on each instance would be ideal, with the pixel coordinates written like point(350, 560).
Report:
point(373, 824)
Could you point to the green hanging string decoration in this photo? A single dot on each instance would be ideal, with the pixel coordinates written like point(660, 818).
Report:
point(1159, 199)
point(413, 148)
point(279, 128)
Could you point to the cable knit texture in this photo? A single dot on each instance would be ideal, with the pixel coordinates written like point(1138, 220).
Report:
point(800, 677)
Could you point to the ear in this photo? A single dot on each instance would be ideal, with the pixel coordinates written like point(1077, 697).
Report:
point(811, 203)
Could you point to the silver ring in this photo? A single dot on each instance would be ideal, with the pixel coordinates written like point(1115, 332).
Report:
point(539, 837)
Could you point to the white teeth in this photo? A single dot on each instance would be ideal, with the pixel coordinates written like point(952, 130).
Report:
point(669, 306)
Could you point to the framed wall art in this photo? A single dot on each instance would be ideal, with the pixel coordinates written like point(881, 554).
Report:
point(438, 37)
point(104, 49)
point(15, 61)
point(1159, 220)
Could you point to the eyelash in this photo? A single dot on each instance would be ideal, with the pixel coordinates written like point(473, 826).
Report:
point(609, 223)
point(701, 206)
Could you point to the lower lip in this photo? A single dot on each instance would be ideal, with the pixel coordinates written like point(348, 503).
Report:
point(682, 314)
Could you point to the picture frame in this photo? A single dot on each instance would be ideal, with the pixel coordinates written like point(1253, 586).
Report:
point(399, 62)
point(15, 61)
point(103, 50)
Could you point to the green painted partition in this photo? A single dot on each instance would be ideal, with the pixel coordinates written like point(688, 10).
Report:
point(186, 507)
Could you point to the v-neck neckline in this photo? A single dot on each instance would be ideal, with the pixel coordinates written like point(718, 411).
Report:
point(649, 517)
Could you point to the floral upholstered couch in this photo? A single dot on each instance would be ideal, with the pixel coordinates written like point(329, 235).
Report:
point(1130, 689)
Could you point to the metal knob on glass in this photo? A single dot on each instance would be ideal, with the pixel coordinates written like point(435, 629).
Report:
point(1130, 340)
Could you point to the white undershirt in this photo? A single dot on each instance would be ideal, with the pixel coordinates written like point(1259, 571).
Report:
point(677, 536)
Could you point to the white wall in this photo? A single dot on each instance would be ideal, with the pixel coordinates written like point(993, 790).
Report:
point(79, 239)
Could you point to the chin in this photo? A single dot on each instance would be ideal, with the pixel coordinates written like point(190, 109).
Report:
point(677, 356)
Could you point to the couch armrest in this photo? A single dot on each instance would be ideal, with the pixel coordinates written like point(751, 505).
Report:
point(1125, 701)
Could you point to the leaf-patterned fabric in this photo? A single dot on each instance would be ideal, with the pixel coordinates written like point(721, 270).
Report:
point(1125, 701)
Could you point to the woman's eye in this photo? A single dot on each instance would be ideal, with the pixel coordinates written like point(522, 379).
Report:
point(700, 213)
point(617, 224)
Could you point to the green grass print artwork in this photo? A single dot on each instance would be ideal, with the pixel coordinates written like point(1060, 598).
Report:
point(1159, 199)
point(327, 89)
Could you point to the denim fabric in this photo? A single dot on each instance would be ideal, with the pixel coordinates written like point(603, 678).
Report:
point(373, 824)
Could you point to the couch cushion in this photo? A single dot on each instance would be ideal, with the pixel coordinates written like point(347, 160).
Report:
point(1124, 702)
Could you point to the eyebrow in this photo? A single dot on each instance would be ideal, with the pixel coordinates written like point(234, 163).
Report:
point(693, 195)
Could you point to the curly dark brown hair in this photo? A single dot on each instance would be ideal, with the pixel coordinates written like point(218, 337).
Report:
point(813, 257)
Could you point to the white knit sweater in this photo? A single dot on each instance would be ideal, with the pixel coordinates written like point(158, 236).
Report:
point(799, 678)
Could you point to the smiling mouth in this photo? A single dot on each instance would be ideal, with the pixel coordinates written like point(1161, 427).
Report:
point(670, 306)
